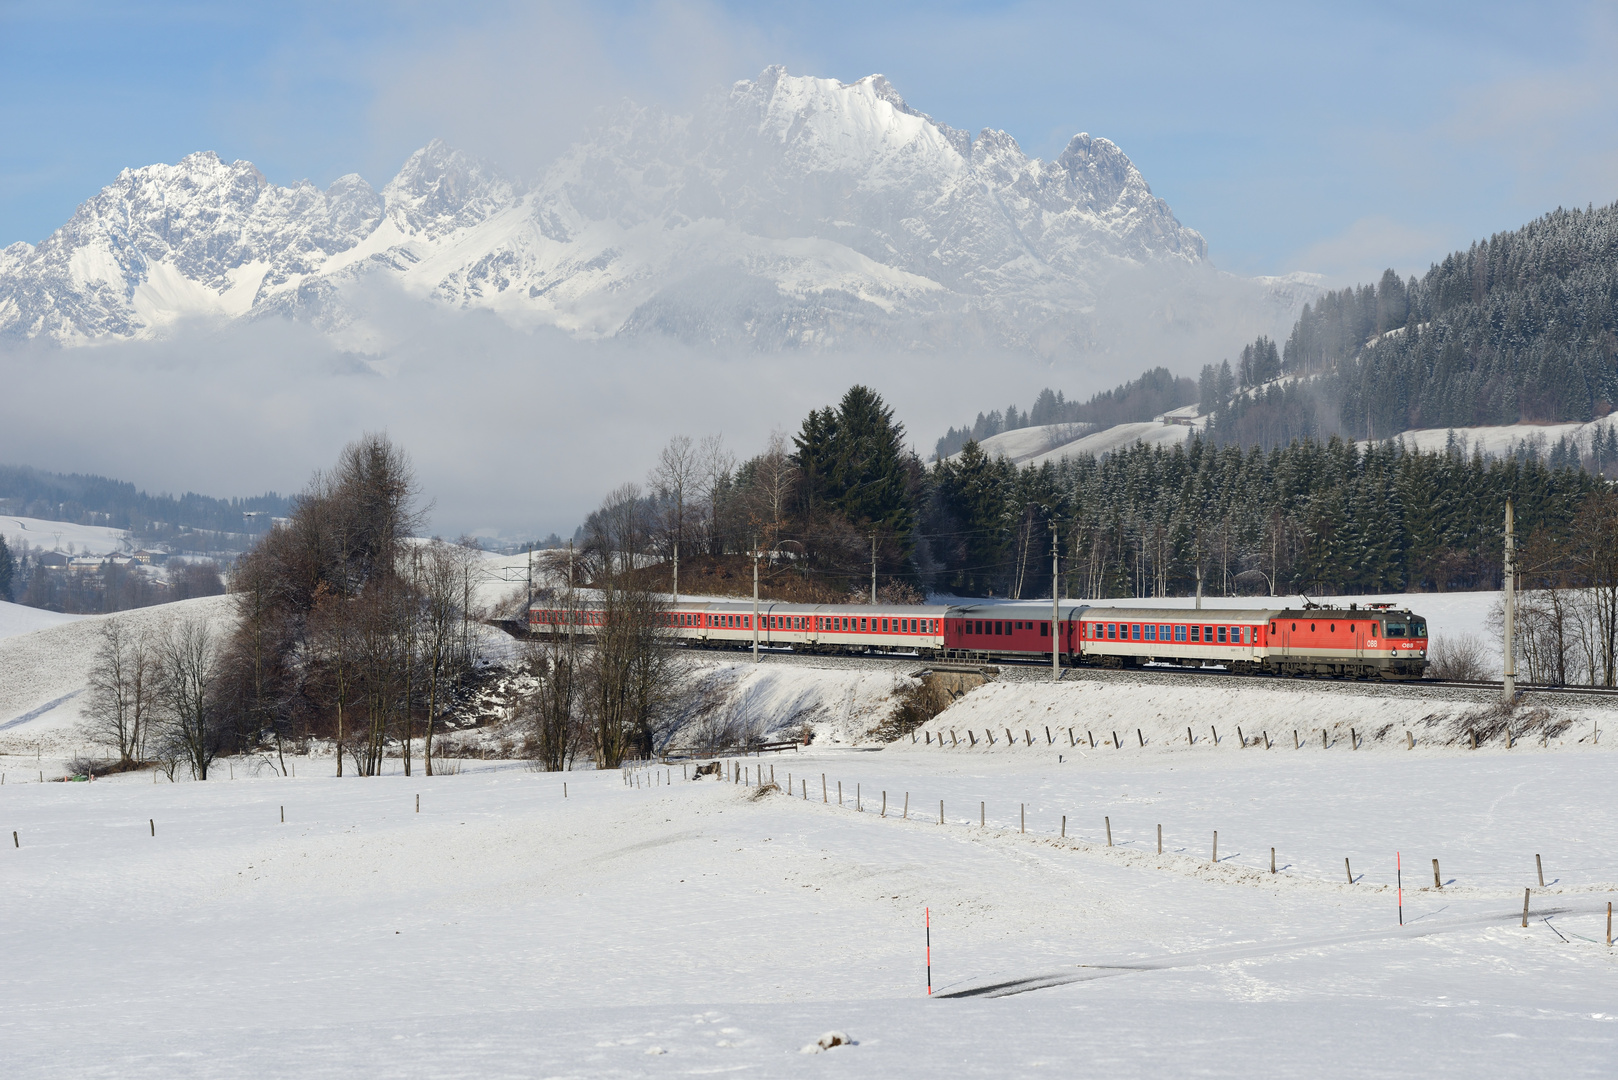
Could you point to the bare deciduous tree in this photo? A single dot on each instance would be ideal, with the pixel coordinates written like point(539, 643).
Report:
point(674, 478)
point(187, 658)
point(123, 690)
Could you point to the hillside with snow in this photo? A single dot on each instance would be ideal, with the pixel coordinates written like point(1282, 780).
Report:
point(788, 212)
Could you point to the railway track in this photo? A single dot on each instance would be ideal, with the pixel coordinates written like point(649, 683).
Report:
point(1030, 671)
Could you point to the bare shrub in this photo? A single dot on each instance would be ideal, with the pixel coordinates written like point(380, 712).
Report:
point(1458, 658)
point(918, 702)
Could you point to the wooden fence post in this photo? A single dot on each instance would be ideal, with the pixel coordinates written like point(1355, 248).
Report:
point(1141, 737)
point(906, 816)
point(1525, 893)
point(1272, 860)
point(1348, 870)
point(1216, 846)
point(1410, 740)
point(1540, 867)
point(1189, 739)
point(1022, 812)
point(983, 815)
point(1108, 820)
point(1437, 882)
point(1064, 826)
point(1160, 839)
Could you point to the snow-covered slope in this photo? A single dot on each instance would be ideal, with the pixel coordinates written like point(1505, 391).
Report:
point(44, 535)
point(19, 619)
point(788, 211)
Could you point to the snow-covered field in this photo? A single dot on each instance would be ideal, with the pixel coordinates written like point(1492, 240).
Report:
point(688, 928)
point(1507, 438)
point(45, 535)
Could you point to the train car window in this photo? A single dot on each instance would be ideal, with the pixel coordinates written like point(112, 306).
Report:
point(1179, 633)
point(1334, 628)
point(1196, 633)
point(1294, 628)
point(1222, 639)
point(1134, 631)
point(1163, 632)
point(1311, 628)
point(1151, 632)
point(1112, 631)
point(884, 626)
point(1044, 629)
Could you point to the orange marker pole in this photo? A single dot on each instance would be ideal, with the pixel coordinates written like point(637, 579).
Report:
point(929, 912)
point(1399, 871)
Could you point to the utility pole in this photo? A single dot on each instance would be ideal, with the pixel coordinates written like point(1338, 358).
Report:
point(569, 613)
point(1508, 687)
point(872, 569)
point(530, 575)
point(676, 569)
point(755, 599)
point(1056, 611)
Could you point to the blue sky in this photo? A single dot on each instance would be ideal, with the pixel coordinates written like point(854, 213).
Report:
point(1332, 138)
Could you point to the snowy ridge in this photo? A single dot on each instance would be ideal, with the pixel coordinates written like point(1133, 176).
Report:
point(789, 211)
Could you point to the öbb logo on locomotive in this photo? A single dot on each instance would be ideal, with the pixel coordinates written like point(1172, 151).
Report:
point(1371, 641)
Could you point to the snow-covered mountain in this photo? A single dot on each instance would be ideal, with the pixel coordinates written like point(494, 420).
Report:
point(790, 211)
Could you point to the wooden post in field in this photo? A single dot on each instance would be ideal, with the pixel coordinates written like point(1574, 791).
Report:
point(1116, 745)
point(1189, 739)
point(1092, 736)
point(1027, 737)
point(1050, 740)
point(1353, 739)
point(1540, 867)
point(283, 815)
point(1323, 744)
point(1410, 740)
point(1609, 924)
point(1215, 732)
point(418, 802)
point(884, 804)
point(1266, 735)
point(1141, 737)
point(1064, 826)
point(1108, 820)
point(1437, 883)
point(1525, 893)
point(983, 815)
point(822, 787)
point(1241, 740)
point(153, 823)
point(1160, 839)
point(1022, 812)
point(1297, 743)
point(839, 793)
point(1348, 870)
point(14, 841)
point(1474, 736)
point(941, 811)
point(564, 789)
point(1070, 740)
point(1216, 846)
point(1272, 860)
point(906, 815)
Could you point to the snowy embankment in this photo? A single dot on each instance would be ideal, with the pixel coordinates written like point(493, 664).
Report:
point(778, 702)
point(1172, 716)
point(43, 674)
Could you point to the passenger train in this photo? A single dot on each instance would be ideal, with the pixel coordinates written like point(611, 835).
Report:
point(1373, 641)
